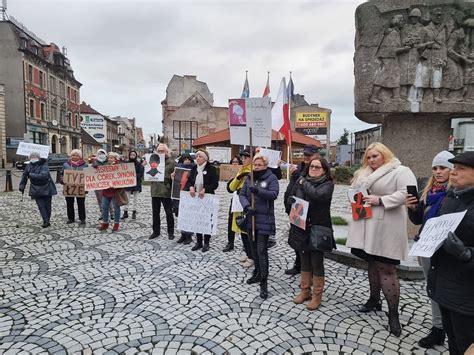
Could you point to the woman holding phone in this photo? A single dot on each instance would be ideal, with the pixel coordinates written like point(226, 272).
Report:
point(422, 208)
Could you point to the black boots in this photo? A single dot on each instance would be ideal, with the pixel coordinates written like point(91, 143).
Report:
point(134, 215)
point(182, 239)
point(295, 270)
point(436, 337)
point(254, 278)
point(394, 324)
point(125, 215)
point(188, 239)
point(198, 244)
point(263, 288)
point(205, 247)
point(371, 305)
point(228, 247)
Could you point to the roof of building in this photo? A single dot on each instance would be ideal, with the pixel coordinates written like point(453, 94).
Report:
point(86, 138)
point(86, 108)
point(224, 136)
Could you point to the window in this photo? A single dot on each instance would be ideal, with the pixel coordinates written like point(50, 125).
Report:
point(30, 73)
point(41, 78)
point(54, 113)
point(185, 132)
point(43, 111)
point(52, 84)
point(39, 138)
point(69, 119)
point(74, 123)
point(32, 108)
point(62, 89)
point(62, 117)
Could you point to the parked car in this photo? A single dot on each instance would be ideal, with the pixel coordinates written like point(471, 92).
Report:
point(55, 162)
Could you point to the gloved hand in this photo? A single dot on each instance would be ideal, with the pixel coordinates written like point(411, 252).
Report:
point(240, 176)
point(291, 200)
point(250, 211)
point(454, 246)
point(253, 189)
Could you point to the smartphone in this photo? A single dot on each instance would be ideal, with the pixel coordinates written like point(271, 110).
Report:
point(412, 190)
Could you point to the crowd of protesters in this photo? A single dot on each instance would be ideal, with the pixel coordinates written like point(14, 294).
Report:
point(380, 240)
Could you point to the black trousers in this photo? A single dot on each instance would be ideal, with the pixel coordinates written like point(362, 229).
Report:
point(230, 232)
point(460, 330)
point(246, 242)
point(312, 261)
point(81, 208)
point(156, 203)
point(260, 254)
point(44, 206)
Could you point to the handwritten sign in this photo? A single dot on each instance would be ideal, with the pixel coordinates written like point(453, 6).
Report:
point(27, 148)
point(74, 183)
point(110, 176)
point(155, 167)
point(299, 212)
point(274, 157)
point(434, 232)
point(198, 215)
point(181, 176)
point(228, 171)
point(236, 205)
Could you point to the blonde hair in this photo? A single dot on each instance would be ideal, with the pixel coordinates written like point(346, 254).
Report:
point(429, 185)
point(263, 158)
point(381, 148)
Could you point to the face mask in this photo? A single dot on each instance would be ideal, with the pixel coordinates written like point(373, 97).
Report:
point(101, 157)
point(34, 160)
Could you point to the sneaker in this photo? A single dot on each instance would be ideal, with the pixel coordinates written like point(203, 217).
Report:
point(116, 227)
point(70, 221)
point(248, 263)
point(82, 223)
point(103, 226)
point(154, 235)
point(243, 258)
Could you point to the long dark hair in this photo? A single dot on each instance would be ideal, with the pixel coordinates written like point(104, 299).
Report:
point(326, 168)
point(238, 159)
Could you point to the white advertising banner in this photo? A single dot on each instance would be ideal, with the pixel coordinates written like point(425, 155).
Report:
point(198, 215)
point(96, 126)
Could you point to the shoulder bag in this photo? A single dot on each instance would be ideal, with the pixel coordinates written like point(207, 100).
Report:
point(121, 197)
point(322, 238)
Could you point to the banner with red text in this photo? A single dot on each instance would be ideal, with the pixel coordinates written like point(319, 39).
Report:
point(110, 176)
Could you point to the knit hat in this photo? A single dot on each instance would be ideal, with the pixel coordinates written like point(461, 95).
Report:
point(102, 151)
point(76, 151)
point(441, 159)
point(205, 153)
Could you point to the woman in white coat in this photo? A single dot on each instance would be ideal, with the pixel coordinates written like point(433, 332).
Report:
point(382, 239)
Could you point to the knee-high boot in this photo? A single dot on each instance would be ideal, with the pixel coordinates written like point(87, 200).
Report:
point(305, 293)
point(318, 286)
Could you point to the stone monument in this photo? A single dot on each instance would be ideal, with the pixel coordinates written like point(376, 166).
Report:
point(414, 72)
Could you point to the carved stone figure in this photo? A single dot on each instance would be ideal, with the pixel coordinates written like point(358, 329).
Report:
point(388, 73)
point(411, 35)
point(433, 56)
point(469, 70)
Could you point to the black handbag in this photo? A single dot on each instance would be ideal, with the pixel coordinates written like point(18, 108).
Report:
point(241, 221)
point(322, 238)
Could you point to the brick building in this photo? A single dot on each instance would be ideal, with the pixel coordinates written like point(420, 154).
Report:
point(41, 91)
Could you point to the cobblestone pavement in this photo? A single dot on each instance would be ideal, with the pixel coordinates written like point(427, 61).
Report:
point(67, 289)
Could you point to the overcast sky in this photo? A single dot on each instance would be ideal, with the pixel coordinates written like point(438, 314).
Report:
point(125, 52)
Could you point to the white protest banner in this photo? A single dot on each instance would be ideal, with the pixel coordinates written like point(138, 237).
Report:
point(180, 179)
point(27, 148)
point(155, 167)
point(274, 157)
point(236, 205)
point(299, 212)
point(106, 176)
point(434, 232)
point(73, 181)
point(198, 215)
point(253, 112)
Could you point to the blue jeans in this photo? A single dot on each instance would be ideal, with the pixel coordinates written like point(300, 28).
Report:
point(44, 206)
point(105, 209)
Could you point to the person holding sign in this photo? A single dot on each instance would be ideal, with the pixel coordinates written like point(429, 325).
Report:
point(420, 210)
point(382, 240)
point(75, 163)
point(317, 188)
point(202, 180)
point(264, 190)
point(42, 187)
point(108, 198)
point(185, 162)
point(450, 278)
point(134, 190)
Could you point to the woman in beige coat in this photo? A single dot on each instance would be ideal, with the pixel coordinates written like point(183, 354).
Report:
point(382, 239)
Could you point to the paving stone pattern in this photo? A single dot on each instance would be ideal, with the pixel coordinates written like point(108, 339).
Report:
point(74, 290)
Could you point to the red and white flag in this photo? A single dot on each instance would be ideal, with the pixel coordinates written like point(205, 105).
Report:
point(280, 119)
point(266, 91)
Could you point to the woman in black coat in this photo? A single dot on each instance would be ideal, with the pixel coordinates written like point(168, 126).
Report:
point(317, 188)
point(134, 190)
point(42, 187)
point(202, 180)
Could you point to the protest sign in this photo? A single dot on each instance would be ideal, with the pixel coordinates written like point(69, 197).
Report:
point(110, 176)
point(434, 232)
point(274, 157)
point(257, 112)
point(73, 183)
point(219, 154)
point(27, 148)
point(180, 179)
point(228, 171)
point(299, 212)
point(236, 205)
point(155, 167)
point(360, 210)
point(198, 215)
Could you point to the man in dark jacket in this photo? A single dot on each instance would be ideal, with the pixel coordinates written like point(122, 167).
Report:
point(310, 152)
point(450, 279)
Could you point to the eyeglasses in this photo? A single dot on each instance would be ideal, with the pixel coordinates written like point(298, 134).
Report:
point(258, 165)
point(315, 167)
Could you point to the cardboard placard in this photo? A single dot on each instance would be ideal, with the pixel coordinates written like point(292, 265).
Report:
point(228, 171)
point(74, 183)
point(110, 176)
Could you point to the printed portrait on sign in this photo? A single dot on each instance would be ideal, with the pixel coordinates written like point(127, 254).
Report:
point(237, 114)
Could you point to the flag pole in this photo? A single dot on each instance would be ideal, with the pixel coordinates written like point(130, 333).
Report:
point(252, 196)
point(290, 138)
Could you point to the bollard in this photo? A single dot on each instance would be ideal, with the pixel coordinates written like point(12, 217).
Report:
point(8, 181)
point(58, 176)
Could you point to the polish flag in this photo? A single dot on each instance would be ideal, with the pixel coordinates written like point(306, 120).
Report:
point(280, 119)
point(266, 91)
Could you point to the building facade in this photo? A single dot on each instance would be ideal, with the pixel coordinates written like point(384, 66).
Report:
point(112, 134)
point(126, 134)
point(42, 95)
point(188, 113)
point(362, 139)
